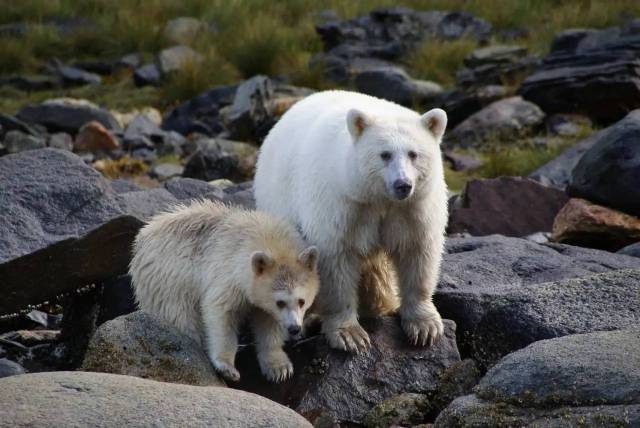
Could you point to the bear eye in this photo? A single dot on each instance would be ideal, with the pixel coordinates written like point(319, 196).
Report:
point(413, 155)
point(301, 302)
point(385, 156)
point(281, 304)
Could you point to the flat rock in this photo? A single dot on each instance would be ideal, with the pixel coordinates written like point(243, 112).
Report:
point(583, 223)
point(89, 399)
point(504, 120)
point(185, 189)
point(140, 345)
point(584, 379)
point(608, 173)
point(510, 206)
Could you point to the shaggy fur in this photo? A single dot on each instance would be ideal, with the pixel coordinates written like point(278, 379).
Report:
point(363, 180)
point(206, 267)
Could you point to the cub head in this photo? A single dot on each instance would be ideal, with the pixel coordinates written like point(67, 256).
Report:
point(285, 289)
point(397, 155)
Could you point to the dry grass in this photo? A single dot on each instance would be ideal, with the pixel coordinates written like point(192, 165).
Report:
point(125, 167)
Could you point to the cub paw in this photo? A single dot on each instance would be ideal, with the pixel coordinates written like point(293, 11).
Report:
point(276, 367)
point(423, 330)
point(226, 370)
point(350, 338)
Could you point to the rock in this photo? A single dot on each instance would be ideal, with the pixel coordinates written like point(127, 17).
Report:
point(456, 25)
point(348, 386)
point(130, 61)
point(10, 123)
point(510, 206)
point(249, 117)
point(17, 141)
point(210, 164)
point(460, 104)
point(585, 224)
point(589, 72)
point(122, 185)
point(461, 162)
point(495, 65)
point(457, 380)
point(67, 115)
point(10, 368)
point(140, 345)
point(31, 83)
point(494, 54)
point(165, 171)
point(566, 125)
point(175, 58)
point(185, 189)
point(609, 172)
point(240, 195)
point(504, 120)
point(116, 299)
point(89, 399)
point(60, 140)
point(183, 30)
point(63, 227)
point(479, 272)
point(631, 250)
point(72, 76)
point(144, 204)
point(147, 75)
point(93, 137)
point(394, 84)
point(583, 379)
point(401, 410)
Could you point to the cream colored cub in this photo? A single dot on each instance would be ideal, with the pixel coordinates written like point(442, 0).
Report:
point(206, 268)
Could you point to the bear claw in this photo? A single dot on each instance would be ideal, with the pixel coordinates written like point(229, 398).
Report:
point(423, 332)
point(351, 338)
point(276, 369)
point(226, 370)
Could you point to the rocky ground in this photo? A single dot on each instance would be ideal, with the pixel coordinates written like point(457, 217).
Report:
point(540, 284)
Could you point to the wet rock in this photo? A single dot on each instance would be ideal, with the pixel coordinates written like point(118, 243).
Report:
point(93, 137)
point(504, 120)
point(510, 206)
point(583, 379)
point(67, 115)
point(249, 117)
point(585, 224)
point(183, 30)
point(608, 173)
point(140, 345)
point(17, 141)
point(10, 368)
point(147, 75)
point(175, 58)
point(89, 399)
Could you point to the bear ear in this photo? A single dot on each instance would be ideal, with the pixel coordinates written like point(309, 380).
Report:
point(261, 262)
point(435, 121)
point(309, 258)
point(357, 122)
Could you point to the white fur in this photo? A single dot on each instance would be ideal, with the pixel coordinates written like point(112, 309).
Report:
point(321, 168)
point(206, 267)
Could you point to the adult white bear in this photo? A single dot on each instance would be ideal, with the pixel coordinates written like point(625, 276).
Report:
point(363, 180)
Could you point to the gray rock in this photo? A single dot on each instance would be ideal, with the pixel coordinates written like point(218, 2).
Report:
point(60, 140)
point(73, 76)
point(140, 345)
point(460, 104)
point(175, 58)
point(608, 173)
point(401, 410)
point(10, 123)
point(122, 185)
point(461, 162)
point(394, 84)
point(144, 204)
point(10, 368)
point(495, 65)
point(147, 75)
point(631, 250)
point(250, 116)
point(60, 230)
point(88, 399)
point(165, 171)
point(494, 54)
point(183, 30)
point(67, 115)
point(30, 83)
point(211, 164)
point(503, 120)
point(141, 126)
point(18, 141)
point(130, 61)
point(494, 272)
point(185, 189)
point(584, 379)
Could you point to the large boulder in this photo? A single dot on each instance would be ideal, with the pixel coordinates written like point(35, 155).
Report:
point(63, 227)
point(249, 117)
point(140, 345)
point(348, 386)
point(62, 399)
point(394, 84)
point(609, 172)
point(583, 223)
point(510, 206)
point(495, 65)
point(584, 379)
point(503, 293)
point(504, 120)
point(595, 73)
point(67, 115)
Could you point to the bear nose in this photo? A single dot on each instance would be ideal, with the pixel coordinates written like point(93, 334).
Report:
point(294, 330)
point(402, 188)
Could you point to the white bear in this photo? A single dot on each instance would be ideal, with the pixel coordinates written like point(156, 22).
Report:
point(207, 267)
point(363, 180)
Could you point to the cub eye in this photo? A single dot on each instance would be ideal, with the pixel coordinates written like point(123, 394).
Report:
point(413, 155)
point(385, 156)
point(301, 302)
point(281, 304)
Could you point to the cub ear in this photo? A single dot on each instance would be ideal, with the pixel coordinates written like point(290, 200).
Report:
point(357, 122)
point(261, 262)
point(309, 258)
point(435, 121)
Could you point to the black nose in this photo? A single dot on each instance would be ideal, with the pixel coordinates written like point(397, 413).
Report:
point(294, 330)
point(402, 188)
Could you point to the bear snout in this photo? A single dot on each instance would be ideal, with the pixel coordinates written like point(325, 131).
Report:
point(402, 189)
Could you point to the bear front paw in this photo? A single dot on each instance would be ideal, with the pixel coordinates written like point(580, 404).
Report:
point(350, 338)
point(423, 330)
point(226, 370)
point(276, 366)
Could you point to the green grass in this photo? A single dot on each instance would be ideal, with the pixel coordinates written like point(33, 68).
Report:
point(439, 61)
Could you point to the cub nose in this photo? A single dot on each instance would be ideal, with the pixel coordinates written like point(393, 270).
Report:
point(402, 188)
point(294, 330)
